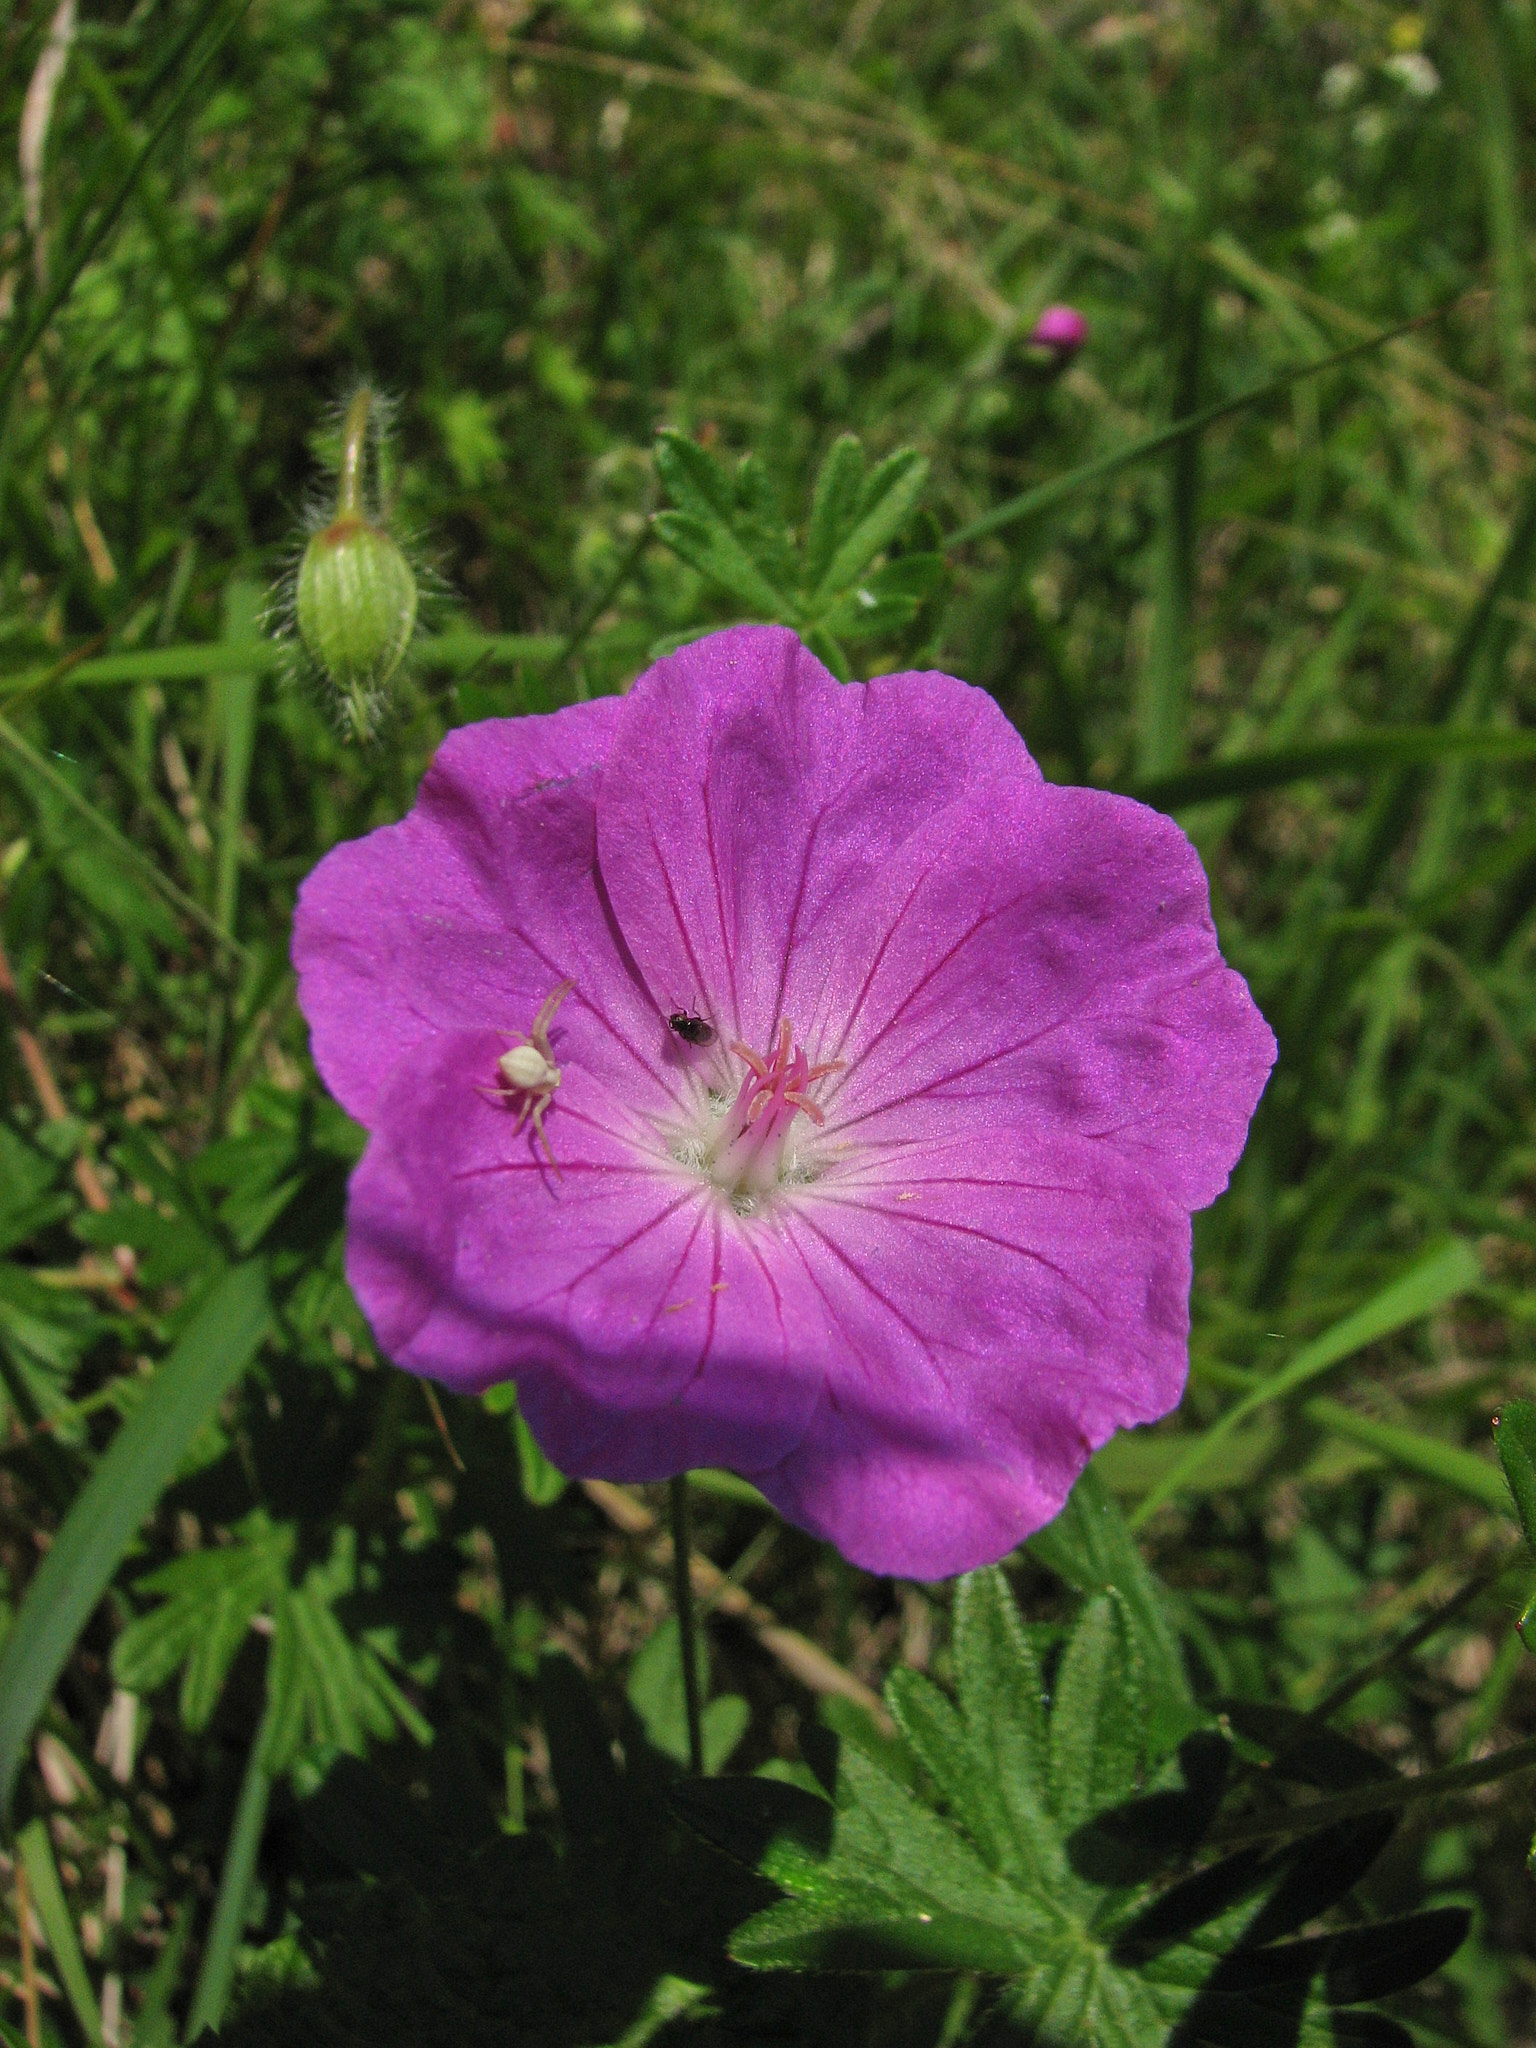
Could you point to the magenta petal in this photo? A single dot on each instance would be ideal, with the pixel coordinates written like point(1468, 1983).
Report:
point(468, 912)
point(1051, 966)
point(750, 798)
point(644, 1333)
point(997, 1318)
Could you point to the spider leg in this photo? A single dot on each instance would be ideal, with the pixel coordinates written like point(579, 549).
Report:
point(546, 1016)
point(538, 1125)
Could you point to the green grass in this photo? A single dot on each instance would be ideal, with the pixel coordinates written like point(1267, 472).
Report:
point(549, 232)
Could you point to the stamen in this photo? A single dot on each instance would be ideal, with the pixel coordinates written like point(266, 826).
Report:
point(754, 1060)
point(750, 1154)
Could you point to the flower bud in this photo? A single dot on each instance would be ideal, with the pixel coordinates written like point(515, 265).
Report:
point(352, 596)
point(356, 603)
point(1061, 329)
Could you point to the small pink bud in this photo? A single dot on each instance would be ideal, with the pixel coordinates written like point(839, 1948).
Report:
point(1061, 329)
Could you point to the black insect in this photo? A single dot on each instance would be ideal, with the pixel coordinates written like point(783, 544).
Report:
point(691, 1030)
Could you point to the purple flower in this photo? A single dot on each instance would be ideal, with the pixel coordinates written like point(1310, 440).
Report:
point(1061, 329)
point(868, 1132)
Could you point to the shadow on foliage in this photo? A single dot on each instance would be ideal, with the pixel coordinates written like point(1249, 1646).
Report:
point(425, 1926)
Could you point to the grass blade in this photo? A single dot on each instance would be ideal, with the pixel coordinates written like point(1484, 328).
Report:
point(1383, 1795)
point(211, 1354)
point(228, 1924)
point(1466, 681)
point(36, 1852)
point(1393, 746)
point(1514, 1429)
point(1448, 1464)
point(210, 658)
point(1489, 77)
point(1428, 1286)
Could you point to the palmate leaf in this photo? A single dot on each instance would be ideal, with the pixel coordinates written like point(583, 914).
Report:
point(1090, 1547)
point(210, 1600)
point(1041, 1852)
point(324, 1688)
point(833, 589)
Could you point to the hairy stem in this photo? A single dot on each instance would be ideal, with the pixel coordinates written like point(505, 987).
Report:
point(354, 454)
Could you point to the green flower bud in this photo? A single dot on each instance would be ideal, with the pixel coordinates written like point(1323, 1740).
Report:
point(353, 597)
point(356, 604)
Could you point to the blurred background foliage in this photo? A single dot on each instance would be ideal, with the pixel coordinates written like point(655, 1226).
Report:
point(548, 232)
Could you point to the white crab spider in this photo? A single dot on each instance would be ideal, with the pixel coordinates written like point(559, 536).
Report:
point(529, 1069)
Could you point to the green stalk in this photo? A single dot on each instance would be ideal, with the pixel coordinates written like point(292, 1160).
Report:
point(354, 455)
point(1385, 1796)
point(682, 1580)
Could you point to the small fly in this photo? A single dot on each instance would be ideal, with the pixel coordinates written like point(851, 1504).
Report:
point(691, 1030)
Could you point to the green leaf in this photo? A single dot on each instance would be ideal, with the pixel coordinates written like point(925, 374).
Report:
point(543, 1483)
point(887, 599)
point(716, 552)
point(1002, 1700)
point(888, 494)
point(211, 1599)
point(692, 478)
point(655, 1688)
point(1514, 1430)
point(210, 1356)
point(1096, 1715)
point(1090, 1546)
point(724, 1722)
point(1045, 1867)
point(834, 507)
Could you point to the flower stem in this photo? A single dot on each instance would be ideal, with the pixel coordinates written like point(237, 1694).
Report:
point(354, 450)
point(687, 1643)
point(1382, 1796)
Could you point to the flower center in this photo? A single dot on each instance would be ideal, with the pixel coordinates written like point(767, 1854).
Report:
point(749, 1153)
